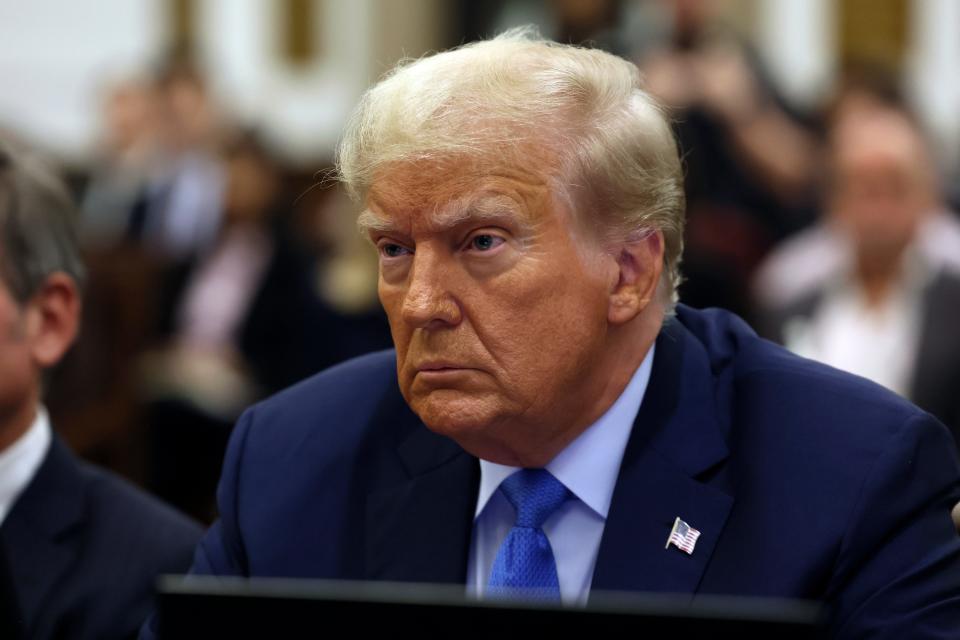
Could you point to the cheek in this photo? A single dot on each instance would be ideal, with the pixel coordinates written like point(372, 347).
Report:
point(391, 299)
point(16, 374)
point(543, 329)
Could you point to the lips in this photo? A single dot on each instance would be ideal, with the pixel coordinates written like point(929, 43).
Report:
point(439, 365)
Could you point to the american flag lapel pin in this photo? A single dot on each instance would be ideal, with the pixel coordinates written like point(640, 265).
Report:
point(682, 536)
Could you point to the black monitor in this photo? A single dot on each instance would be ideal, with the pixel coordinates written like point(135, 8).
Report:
point(215, 607)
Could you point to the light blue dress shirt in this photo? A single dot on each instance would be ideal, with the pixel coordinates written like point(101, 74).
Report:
point(588, 467)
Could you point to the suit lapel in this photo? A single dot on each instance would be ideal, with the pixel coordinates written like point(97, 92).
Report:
point(37, 531)
point(677, 440)
point(419, 525)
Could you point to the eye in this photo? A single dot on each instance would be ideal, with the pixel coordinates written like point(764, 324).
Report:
point(393, 250)
point(485, 242)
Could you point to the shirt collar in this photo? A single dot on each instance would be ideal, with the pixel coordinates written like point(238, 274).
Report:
point(589, 465)
point(19, 462)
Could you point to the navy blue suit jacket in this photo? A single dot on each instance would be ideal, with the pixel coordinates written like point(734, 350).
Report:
point(84, 549)
point(805, 482)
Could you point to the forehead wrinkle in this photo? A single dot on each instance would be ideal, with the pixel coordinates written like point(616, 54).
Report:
point(473, 209)
point(449, 216)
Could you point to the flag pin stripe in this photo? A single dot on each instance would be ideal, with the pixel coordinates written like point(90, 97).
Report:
point(682, 536)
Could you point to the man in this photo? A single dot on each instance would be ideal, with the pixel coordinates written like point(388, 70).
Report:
point(525, 200)
point(82, 547)
point(875, 288)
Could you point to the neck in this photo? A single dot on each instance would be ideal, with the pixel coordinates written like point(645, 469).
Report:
point(877, 275)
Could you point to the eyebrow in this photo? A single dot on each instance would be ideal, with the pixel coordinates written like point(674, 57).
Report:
point(480, 209)
point(370, 221)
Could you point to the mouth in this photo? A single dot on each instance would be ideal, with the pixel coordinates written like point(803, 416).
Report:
point(442, 371)
point(439, 365)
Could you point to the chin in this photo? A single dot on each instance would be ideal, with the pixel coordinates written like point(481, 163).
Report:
point(480, 424)
point(455, 414)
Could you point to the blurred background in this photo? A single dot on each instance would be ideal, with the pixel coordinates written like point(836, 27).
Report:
point(821, 141)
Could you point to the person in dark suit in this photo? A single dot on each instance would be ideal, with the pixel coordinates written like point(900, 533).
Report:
point(82, 547)
point(245, 311)
point(874, 288)
point(551, 423)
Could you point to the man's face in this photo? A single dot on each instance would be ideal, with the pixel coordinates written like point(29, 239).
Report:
point(497, 301)
point(18, 377)
point(881, 193)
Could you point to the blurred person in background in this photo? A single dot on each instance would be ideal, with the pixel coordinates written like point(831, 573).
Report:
point(275, 294)
point(83, 547)
point(158, 184)
point(239, 321)
point(875, 287)
point(154, 201)
point(345, 272)
point(129, 152)
point(749, 155)
point(594, 23)
point(178, 210)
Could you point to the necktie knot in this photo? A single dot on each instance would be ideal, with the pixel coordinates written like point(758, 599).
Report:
point(535, 494)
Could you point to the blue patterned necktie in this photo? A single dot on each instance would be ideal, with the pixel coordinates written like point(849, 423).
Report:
point(524, 566)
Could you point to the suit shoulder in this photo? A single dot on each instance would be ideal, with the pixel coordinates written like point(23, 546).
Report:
point(819, 387)
point(793, 391)
point(804, 428)
point(123, 541)
point(323, 416)
point(340, 384)
point(340, 390)
point(121, 513)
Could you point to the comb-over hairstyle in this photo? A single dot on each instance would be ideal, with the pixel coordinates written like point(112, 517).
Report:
point(38, 220)
point(615, 160)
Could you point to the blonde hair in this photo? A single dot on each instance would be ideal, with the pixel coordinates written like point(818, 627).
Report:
point(615, 153)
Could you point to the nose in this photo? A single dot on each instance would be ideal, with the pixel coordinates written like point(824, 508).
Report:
point(429, 302)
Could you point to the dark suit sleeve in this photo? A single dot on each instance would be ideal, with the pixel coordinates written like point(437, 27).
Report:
point(898, 569)
point(221, 551)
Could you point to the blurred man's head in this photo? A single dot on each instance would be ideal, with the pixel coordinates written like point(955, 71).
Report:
point(252, 181)
point(884, 180)
point(40, 272)
point(526, 202)
point(130, 116)
point(188, 116)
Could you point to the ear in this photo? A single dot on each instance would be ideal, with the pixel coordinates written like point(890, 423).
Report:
point(639, 263)
point(53, 319)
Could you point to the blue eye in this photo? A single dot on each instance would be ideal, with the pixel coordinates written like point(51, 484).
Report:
point(485, 242)
point(391, 250)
